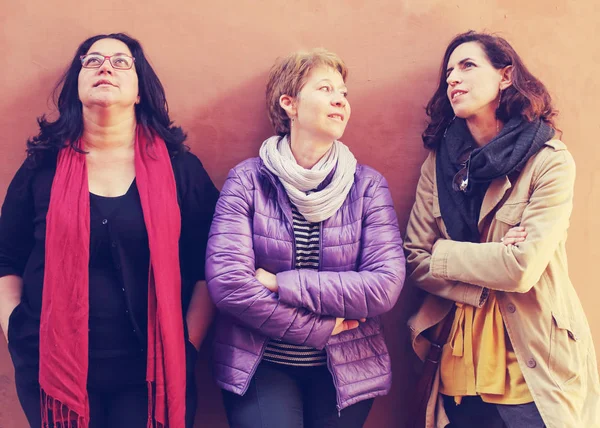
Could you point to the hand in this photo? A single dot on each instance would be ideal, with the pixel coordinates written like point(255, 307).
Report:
point(200, 314)
point(195, 345)
point(267, 279)
point(4, 328)
point(514, 236)
point(4, 320)
point(342, 324)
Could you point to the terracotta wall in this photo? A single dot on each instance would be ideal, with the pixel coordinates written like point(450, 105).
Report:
point(213, 58)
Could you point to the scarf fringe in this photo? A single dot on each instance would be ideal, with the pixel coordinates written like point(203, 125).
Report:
point(54, 412)
point(152, 422)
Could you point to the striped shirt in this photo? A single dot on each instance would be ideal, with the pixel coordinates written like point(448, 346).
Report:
point(306, 235)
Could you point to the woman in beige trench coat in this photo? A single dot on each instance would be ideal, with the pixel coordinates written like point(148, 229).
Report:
point(486, 241)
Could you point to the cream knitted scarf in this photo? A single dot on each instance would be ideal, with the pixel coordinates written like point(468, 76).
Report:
point(277, 156)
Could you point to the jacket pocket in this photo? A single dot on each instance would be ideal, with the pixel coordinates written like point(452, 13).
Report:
point(566, 356)
point(511, 213)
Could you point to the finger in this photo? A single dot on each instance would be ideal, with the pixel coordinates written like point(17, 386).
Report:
point(513, 241)
point(515, 233)
point(363, 320)
point(350, 324)
point(338, 326)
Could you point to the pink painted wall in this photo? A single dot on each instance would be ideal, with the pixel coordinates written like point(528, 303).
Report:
point(212, 58)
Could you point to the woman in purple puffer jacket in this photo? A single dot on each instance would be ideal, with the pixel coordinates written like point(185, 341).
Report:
point(303, 257)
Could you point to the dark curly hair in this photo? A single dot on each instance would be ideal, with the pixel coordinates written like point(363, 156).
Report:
point(527, 97)
point(152, 112)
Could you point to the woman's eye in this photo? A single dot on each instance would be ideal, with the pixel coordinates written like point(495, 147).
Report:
point(325, 88)
point(469, 65)
point(345, 94)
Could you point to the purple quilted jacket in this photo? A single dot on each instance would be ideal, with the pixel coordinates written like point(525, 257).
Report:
point(361, 274)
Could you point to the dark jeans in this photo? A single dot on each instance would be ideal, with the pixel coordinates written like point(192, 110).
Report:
point(282, 396)
point(473, 412)
point(125, 407)
point(116, 400)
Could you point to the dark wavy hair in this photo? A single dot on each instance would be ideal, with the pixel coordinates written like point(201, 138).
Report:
point(152, 112)
point(526, 98)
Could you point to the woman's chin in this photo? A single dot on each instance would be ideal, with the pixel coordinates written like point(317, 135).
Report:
point(461, 113)
point(104, 102)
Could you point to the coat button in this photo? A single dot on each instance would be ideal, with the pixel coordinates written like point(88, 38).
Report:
point(511, 308)
point(104, 221)
point(531, 363)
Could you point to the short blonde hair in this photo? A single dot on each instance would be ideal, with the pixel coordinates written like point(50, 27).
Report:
point(287, 77)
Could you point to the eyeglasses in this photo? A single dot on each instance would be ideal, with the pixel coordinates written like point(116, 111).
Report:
point(118, 61)
point(460, 182)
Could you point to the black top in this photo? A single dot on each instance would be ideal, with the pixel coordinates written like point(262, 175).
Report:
point(112, 326)
point(119, 258)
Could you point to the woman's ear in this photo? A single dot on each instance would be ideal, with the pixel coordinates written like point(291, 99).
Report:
point(289, 105)
point(506, 77)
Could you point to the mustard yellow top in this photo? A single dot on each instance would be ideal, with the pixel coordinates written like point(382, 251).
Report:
point(478, 358)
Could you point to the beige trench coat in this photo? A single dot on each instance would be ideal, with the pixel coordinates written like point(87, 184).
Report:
point(541, 311)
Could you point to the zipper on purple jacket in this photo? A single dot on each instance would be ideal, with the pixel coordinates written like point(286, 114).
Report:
point(335, 383)
point(253, 371)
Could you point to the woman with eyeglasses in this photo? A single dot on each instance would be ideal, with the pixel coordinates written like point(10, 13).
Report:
point(486, 241)
point(303, 257)
point(102, 241)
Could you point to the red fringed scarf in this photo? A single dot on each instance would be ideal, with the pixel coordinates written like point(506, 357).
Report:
point(65, 299)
